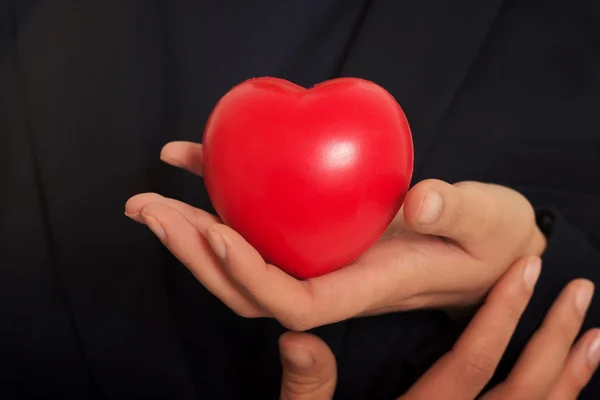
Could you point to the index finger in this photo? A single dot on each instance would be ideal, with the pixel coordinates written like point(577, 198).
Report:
point(466, 369)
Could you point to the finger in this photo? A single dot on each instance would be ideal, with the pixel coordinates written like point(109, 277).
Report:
point(464, 372)
point(309, 368)
point(280, 295)
point(466, 214)
point(283, 296)
point(199, 218)
point(189, 246)
point(186, 155)
point(297, 305)
point(579, 368)
point(302, 305)
point(544, 357)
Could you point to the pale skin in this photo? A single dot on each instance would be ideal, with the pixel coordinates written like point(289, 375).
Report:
point(549, 368)
point(446, 248)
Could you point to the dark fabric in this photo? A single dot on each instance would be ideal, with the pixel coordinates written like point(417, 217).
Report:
point(91, 306)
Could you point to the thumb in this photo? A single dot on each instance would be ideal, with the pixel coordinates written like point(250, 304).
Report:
point(309, 369)
point(465, 213)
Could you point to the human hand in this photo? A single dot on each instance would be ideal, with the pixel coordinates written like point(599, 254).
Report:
point(549, 368)
point(447, 247)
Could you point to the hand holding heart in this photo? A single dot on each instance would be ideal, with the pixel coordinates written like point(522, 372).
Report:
point(312, 178)
point(446, 247)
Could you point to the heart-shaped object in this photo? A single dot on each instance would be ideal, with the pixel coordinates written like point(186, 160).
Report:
point(310, 177)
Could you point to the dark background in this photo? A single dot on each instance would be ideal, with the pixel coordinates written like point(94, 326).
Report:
point(91, 306)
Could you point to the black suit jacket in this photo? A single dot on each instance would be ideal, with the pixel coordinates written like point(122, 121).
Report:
point(92, 306)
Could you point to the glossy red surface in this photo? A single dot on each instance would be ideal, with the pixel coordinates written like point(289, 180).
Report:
point(310, 177)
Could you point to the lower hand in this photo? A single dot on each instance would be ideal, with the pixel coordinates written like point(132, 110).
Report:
point(447, 247)
point(549, 368)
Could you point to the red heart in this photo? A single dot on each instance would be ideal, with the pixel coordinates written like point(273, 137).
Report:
point(310, 177)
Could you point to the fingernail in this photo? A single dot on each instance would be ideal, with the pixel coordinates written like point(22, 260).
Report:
point(532, 272)
point(155, 227)
point(217, 242)
point(431, 208)
point(594, 351)
point(298, 357)
point(136, 217)
point(583, 297)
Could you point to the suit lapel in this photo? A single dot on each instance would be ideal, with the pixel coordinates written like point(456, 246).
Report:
point(421, 53)
point(93, 155)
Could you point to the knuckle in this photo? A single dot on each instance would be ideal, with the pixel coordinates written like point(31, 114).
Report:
point(513, 300)
point(478, 368)
point(565, 331)
point(485, 213)
point(515, 307)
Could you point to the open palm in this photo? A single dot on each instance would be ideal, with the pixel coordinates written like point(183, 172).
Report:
point(445, 251)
